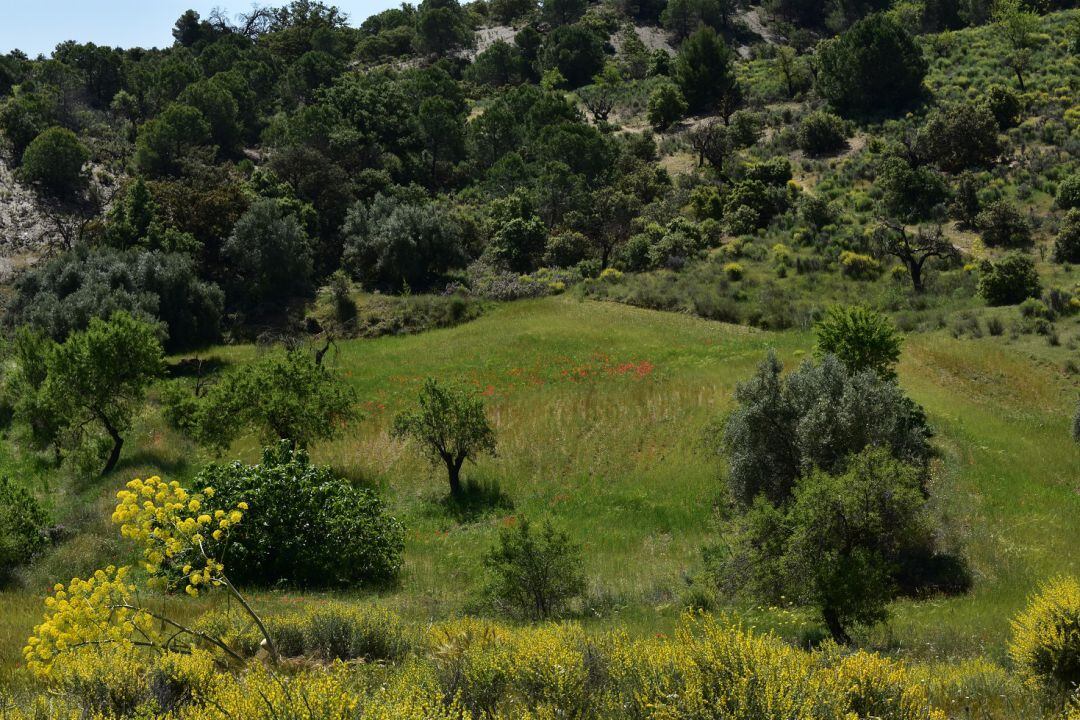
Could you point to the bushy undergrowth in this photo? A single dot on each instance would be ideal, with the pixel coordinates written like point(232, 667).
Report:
point(309, 527)
point(471, 668)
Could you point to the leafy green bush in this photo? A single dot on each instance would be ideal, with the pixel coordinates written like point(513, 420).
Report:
point(821, 133)
point(22, 527)
point(534, 574)
point(54, 160)
point(1002, 225)
point(1009, 281)
point(1067, 242)
point(860, 338)
point(284, 395)
point(305, 527)
point(666, 106)
point(1068, 192)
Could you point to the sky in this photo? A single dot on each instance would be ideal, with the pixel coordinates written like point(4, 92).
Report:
point(38, 26)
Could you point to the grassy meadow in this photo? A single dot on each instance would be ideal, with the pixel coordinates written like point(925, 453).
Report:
point(600, 409)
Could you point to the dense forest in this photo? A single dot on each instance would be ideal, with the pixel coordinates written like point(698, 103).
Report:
point(545, 359)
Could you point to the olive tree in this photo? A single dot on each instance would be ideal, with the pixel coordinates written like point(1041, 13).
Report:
point(451, 426)
point(850, 532)
point(98, 379)
point(816, 417)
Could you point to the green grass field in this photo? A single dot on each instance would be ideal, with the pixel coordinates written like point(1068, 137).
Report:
point(599, 409)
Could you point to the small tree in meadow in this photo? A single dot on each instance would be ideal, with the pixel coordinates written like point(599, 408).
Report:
point(848, 534)
point(451, 426)
point(860, 338)
point(98, 379)
point(534, 574)
point(1002, 225)
point(284, 395)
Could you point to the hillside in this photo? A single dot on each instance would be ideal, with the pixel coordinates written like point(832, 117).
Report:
point(527, 360)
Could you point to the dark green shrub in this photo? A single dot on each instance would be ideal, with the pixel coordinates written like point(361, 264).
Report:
point(22, 528)
point(821, 133)
point(566, 249)
point(270, 257)
point(576, 51)
point(1067, 242)
point(666, 106)
point(1068, 192)
point(875, 65)
point(1005, 106)
point(54, 161)
point(519, 245)
point(1002, 225)
point(305, 527)
point(534, 575)
point(958, 137)
point(704, 71)
point(1009, 281)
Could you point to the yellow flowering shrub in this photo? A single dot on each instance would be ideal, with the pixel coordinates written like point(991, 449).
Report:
point(472, 669)
point(1045, 642)
point(872, 686)
point(100, 610)
point(179, 532)
point(177, 529)
point(975, 688)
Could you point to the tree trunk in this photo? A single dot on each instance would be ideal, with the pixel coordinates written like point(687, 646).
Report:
point(118, 444)
point(836, 628)
point(453, 470)
point(1020, 79)
point(915, 269)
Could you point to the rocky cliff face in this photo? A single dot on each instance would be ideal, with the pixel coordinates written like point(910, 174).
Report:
point(24, 228)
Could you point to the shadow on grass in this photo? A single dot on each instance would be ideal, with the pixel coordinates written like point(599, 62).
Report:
point(171, 466)
point(478, 497)
point(194, 367)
